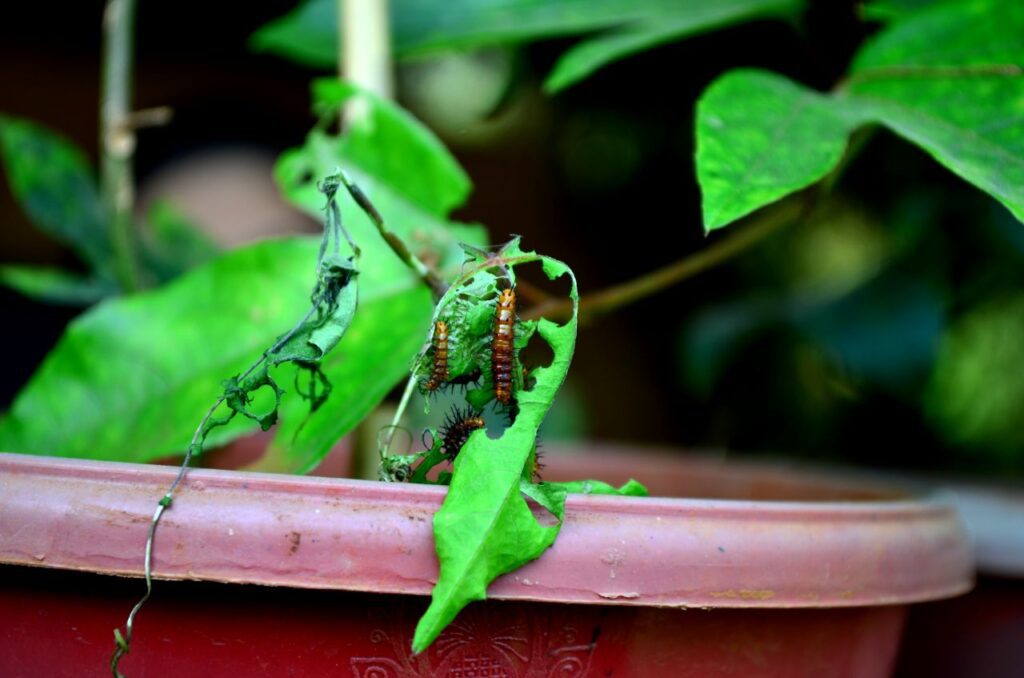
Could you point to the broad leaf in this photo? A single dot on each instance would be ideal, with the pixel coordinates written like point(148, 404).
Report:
point(52, 180)
point(131, 377)
point(485, 528)
point(55, 285)
point(964, 103)
point(393, 147)
point(971, 396)
point(888, 10)
point(171, 244)
point(681, 20)
point(760, 136)
point(309, 34)
point(362, 370)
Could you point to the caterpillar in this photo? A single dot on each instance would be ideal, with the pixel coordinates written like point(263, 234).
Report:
point(456, 430)
point(501, 346)
point(439, 371)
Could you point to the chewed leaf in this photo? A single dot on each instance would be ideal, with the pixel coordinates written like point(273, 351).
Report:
point(552, 495)
point(485, 527)
point(320, 332)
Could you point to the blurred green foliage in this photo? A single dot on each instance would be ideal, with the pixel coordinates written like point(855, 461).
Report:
point(616, 28)
point(975, 394)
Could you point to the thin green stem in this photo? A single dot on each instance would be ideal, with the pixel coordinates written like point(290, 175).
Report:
point(364, 50)
point(617, 296)
point(429, 277)
point(117, 137)
point(931, 73)
point(123, 642)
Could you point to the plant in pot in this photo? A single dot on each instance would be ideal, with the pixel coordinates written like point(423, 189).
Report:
point(132, 376)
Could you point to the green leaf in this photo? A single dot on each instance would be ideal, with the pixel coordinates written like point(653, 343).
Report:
point(374, 356)
point(974, 396)
point(888, 10)
point(309, 34)
point(485, 528)
point(390, 145)
point(630, 488)
point(172, 244)
point(53, 181)
point(430, 236)
point(552, 496)
point(963, 103)
point(54, 285)
point(682, 20)
point(761, 137)
point(130, 377)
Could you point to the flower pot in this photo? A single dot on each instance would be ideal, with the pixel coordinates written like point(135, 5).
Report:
point(978, 634)
point(770, 572)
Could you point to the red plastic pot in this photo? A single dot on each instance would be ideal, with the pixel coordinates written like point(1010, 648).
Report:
point(978, 634)
point(772, 572)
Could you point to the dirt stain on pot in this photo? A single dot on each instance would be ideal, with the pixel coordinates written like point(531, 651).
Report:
point(295, 538)
point(744, 594)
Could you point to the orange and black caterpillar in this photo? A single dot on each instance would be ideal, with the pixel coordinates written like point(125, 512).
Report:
point(501, 346)
point(439, 371)
point(458, 425)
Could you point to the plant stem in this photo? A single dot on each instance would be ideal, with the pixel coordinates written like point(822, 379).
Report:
point(364, 51)
point(364, 58)
point(626, 293)
point(117, 137)
point(124, 641)
point(429, 277)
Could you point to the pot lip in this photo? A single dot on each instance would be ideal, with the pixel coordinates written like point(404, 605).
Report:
point(904, 498)
point(359, 535)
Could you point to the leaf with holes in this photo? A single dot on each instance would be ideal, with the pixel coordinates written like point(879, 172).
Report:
point(485, 528)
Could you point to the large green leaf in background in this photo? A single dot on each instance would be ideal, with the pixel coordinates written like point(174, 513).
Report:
point(171, 244)
point(54, 184)
point(390, 145)
point(760, 136)
point(132, 377)
point(681, 20)
point(55, 285)
point(53, 181)
point(970, 395)
point(309, 34)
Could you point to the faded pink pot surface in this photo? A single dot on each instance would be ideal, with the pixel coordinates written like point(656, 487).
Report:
point(368, 536)
point(791, 573)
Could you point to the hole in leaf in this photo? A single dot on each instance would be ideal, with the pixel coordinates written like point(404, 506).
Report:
point(536, 354)
point(262, 401)
point(535, 290)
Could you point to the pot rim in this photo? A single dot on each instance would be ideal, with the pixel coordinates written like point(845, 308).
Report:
point(358, 535)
